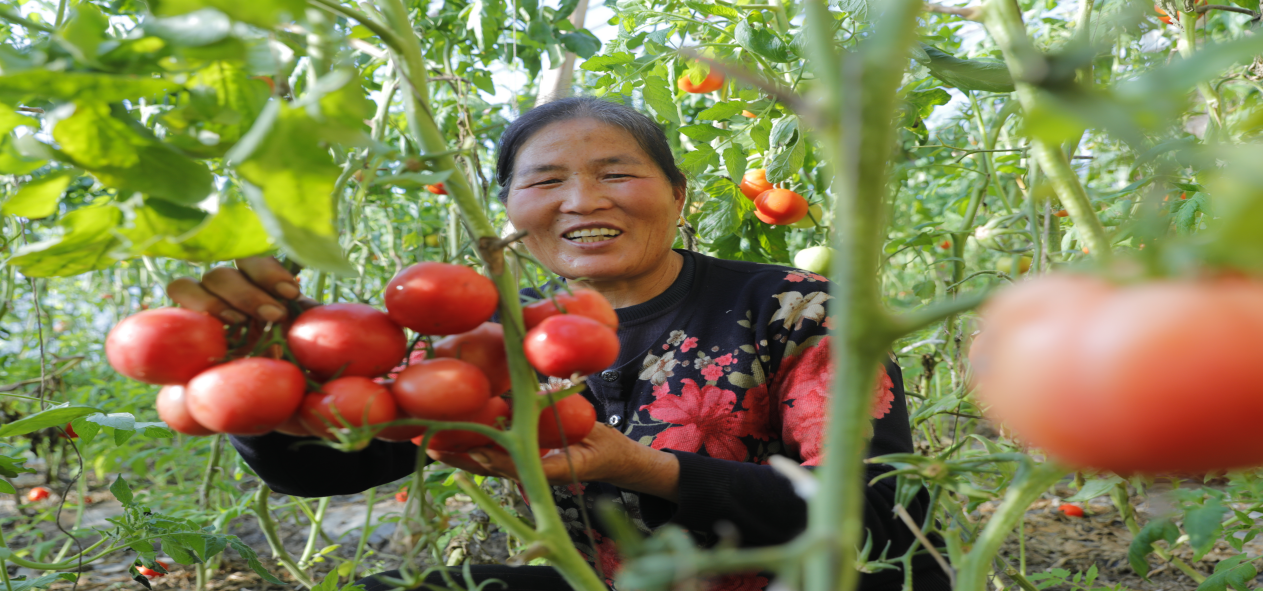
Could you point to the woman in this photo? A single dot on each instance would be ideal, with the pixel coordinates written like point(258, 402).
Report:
point(722, 363)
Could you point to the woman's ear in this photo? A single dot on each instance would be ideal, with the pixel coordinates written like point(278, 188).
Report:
point(680, 192)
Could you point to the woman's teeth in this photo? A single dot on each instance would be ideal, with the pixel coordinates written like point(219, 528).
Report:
point(592, 234)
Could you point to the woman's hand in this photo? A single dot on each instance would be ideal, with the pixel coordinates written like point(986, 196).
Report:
point(253, 290)
point(606, 455)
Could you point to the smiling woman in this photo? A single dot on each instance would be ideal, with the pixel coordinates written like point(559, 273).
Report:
point(721, 364)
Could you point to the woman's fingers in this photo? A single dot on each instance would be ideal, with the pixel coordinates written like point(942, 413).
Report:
point(494, 460)
point(267, 272)
point(459, 460)
point(190, 294)
point(233, 287)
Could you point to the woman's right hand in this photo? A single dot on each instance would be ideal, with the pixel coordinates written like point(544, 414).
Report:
point(255, 290)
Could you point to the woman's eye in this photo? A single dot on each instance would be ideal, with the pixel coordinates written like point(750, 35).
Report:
point(545, 182)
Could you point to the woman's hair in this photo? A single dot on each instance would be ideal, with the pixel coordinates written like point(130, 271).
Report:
point(646, 132)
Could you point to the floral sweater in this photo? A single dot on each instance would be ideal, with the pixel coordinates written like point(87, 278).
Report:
point(727, 367)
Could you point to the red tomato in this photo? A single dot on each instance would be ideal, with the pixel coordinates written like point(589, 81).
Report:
point(484, 348)
point(436, 188)
point(402, 495)
point(357, 339)
point(294, 425)
point(151, 573)
point(577, 419)
point(493, 413)
point(38, 493)
point(1061, 213)
point(70, 432)
point(173, 410)
point(780, 207)
point(583, 302)
point(748, 114)
point(1071, 510)
point(945, 245)
point(441, 389)
point(249, 396)
point(1118, 378)
point(566, 344)
point(440, 299)
point(713, 81)
point(353, 401)
point(754, 183)
point(165, 345)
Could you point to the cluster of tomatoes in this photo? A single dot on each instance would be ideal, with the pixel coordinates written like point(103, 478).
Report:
point(347, 364)
point(779, 207)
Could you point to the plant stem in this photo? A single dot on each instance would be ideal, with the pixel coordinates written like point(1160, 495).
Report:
point(203, 491)
point(497, 513)
point(1186, 45)
point(1004, 21)
point(260, 510)
point(371, 497)
point(1031, 482)
point(314, 534)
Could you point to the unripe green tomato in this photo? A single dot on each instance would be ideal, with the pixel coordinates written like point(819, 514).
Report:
point(815, 212)
point(816, 259)
point(756, 16)
point(1005, 265)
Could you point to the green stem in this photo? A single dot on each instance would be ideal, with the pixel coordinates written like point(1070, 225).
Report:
point(1003, 19)
point(972, 572)
point(1187, 45)
point(497, 513)
point(371, 497)
point(208, 476)
point(260, 510)
point(17, 19)
point(313, 535)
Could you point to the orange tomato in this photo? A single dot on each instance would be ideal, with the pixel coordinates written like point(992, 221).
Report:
point(780, 207)
point(753, 183)
point(436, 188)
point(748, 114)
point(713, 81)
point(1061, 213)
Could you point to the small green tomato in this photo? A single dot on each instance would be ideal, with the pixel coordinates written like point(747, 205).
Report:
point(816, 259)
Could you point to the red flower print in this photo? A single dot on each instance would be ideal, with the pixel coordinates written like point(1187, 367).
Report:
point(689, 343)
point(828, 322)
point(883, 394)
point(661, 390)
point(665, 346)
point(740, 582)
point(817, 277)
point(712, 372)
point(795, 277)
point(703, 417)
point(607, 553)
point(757, 423)
point(726, 360)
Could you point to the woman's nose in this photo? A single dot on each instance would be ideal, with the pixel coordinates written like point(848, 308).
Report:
point(583, 196)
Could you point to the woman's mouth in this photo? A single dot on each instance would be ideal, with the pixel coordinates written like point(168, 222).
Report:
point(588, 235)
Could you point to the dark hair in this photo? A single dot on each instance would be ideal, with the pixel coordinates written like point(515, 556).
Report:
point(646, 132)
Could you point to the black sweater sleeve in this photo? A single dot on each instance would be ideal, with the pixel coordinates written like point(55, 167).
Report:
point(319, 471)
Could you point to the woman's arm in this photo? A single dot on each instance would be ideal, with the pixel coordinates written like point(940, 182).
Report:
point(315, 470)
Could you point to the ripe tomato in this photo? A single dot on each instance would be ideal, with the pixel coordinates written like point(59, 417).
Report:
point(494, 412)
point(748, 115)
point(780, 207)
point(250, 396)
point(946, 244)
point(165, 345)
point(357, 337)
point(1166, 19)
point(294, 425)
point(583, 302)
point(38, 493)
point(353, 401)
point(173, 410)
point(1061, 213)
point(484, 348)
point(440, 299)
point(577, 419)
point(1071, 510)
point(151, 573)
point(1117, 378)
point(437, 189)
point(754, 183)
point(402, 495)
point(441, 389)
point(713, 81)
point(70, 432)
point(566, 344)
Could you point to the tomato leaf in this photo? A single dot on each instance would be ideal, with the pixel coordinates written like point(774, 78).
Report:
point(12, 465)
point(703, 132)
point(38, 198)
point(263, 13)
point(697, 161)
point(1233, 572)
point(1095, 488)
point(80, 86)
point(985, 74)
point(788, 162)
point(762, 41)
point(1203, 524)
point(55, 416)
point(121, 491)
point(735, 161)
point(715, 9)
point(43, 582)
point(721, 215)
point(581, 43)
point(660, 99)
point(602, 63)
point(722, 110)
point(253, 560)
point(1142, 544)
point(231, 233)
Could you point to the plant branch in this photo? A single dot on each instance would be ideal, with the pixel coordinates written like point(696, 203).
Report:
point(969, 13)
point(260, 510)
point(903, 324)
point(497, 513)
point(17, 19)
point(1031, 482)
point(1238, 9)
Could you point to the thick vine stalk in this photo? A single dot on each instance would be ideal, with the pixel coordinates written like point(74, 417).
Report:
point(972, 572)
point(1004, 21)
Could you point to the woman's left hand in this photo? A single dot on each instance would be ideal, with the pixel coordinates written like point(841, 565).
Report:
point(605, 455)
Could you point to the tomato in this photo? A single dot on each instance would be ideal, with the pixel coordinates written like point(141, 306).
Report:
point(748, 114)
point(70, 432)
point(1166, 19)
point(484, 348)
point(582, 302)
point(250, 396)
point(493, 413)
point(566, 344)
point(1061, 213)
point(577, 419)
point(294, 425)
point(713, 81)
point(38, 493)
point(440, 299)
point(165, 345)
point(353, 401)
point(1130, 379)
point(173, 409)
point(1071, 510)
point(441, 389)
point(437, 189)
point(356, 339)
point(946, 244)
point(151, 573)
point(402, 495)
point(754, 183)
point(780, 207)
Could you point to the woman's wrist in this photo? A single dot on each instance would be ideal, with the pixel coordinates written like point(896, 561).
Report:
point(652, 472)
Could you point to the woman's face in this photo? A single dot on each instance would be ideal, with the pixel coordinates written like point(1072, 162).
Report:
point(594, 204)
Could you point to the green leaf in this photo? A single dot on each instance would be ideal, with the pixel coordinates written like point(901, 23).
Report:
point(697, 161)
point(10, 119)
point(86, 244)
point(1142, 544)
point(121, 491)
point(722, 110)
point(12, 465)
point(1233, 572)
point(602, 63)
point(168, 230)
point(924, 102)
point(1186, 216)
point(581, 43)
point(6, 488)
point(44, 581)
point(1095, 488)
point(80, 86)
point(253, 560)
point(788, 162)
point(38, 198)
point(221, 106)
point(762, 41)
point(263, 13)
point(1203, 524)
point(985, 74)
point(193, 29)
point(84, 32)
point(660, 99)
point(721, 215)
point(414, 180)
point(702, 132)
point(1209, 61)
point(783, 130)
point(715, 9)
point(735, 162)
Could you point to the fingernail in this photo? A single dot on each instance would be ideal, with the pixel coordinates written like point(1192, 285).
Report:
point(286, 290)
point(271, 313)
point(233, 316)
point(479, 457)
